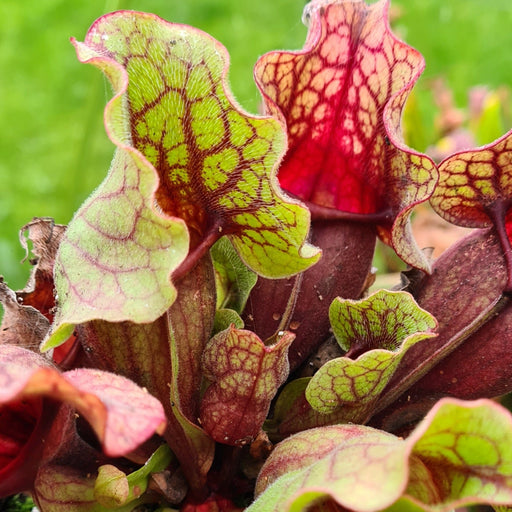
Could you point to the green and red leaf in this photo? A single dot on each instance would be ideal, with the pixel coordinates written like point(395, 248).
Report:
point(377, 331)
point(245, 376)
point(461, 453)
point(342, 98)
point(188, 158)
point(114, 488)
point(63, 489)
point(345, 268)
point(66, 488)
point(164, 357)
point(474, 183)
point(475, 190)
point(467, 448)
point(383, 320)
point(190, 322)
point(342, 461)
point(117, 255)
point(215, 163)
point(234, 280)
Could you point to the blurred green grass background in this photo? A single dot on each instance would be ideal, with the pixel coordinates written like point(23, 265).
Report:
point(53, 149)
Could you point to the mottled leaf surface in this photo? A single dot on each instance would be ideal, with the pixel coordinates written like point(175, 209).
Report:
point(116, 257)
point(378, 331)
point(342, 98)
point(245, 376)
point(343, 461)
point(122, 414)
point(384, 320)
point(467, 448)
point(461, 453)
point(475, 190)
point(216, 164)
point(473, 183)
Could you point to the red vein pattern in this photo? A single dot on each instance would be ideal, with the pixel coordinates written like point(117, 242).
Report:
point(117, 253)
point(216, 164)
point(475, 190)
point(459, 454)
point(190, 167)
point(245, 376)
point(376, 332)
point(472, 183)
point(342, 97)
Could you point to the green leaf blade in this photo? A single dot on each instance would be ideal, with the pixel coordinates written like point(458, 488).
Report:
point(190, 167)
point(216, 164)
point(342, 461)
point(383, 320)
point(234, 280)
point(115, 260)
point(378, 331)
point(468, 446)
point(460, 454)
